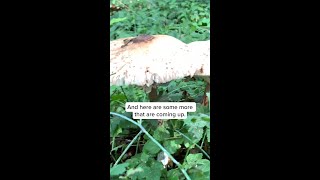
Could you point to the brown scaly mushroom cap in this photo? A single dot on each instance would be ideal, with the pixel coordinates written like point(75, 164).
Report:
point(145, 60)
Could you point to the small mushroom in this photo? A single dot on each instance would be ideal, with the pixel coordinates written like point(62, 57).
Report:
point(149, 60)
point(164, 159)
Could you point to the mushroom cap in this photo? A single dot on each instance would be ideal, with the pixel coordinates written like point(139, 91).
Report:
point(203, 55)
point(146, 60)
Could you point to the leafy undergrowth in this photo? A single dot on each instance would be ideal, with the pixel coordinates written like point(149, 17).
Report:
point(135, 155)
point(186, 20)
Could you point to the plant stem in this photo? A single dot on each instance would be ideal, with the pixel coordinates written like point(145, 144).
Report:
point(137, 148)
point(204, 137)
point(171, 138)
point(116, 148)
point(127, 148)
point(187, 153)
point(113, 142)
point(112, 157)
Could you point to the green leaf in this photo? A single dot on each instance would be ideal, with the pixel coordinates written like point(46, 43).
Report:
point(134, 160)
point(113, 89)
point(191, 160)
point(146, 137)
point(118, 97)
point(151, 148)
point(171, 146)
point(114, 124)
point(200, 8)
point(206, 118)
point(175, 97)
point(198, 174)
point(117, 131)
point(172, 86)
point(149, 171)
point(161, 133)
point(116, 20)
point(133, 171)
point(174, 174)
point(155, 171)
point(142, 174)
point(187, 144)
point(195, 128)
point(197, 167)
point(118, 169)
point(195, 121)
point(204, 165)
point(144, 157)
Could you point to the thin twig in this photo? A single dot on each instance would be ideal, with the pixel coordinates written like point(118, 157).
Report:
point(204, 137)
point(127, 148)
point(138, 142)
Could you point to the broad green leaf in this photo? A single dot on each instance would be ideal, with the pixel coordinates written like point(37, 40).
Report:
point(172, 86)
point(133, 171)
point(155, 171)
point(171, 146)
point(195, 126)
point(174, 174)
point(151, 148)
point(197, 174)
point(175, 97)
point(195, 134)
point(193, 158)
point(144, 157)
point(113, 126)
point(197, 167)
point(117, 131)
point(195, 121)
point(203, 165)
point(142, 174)
point(134, 160)
point(118, 169)
point(161, 133)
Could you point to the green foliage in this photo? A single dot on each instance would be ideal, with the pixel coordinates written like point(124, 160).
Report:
point(172, 145)
point(175, 90)
point(161, 133)
point(198, 168)
point(174, 174)
point(151, 148)
point(185, 20)
point(187, 141)
point(118, 169)
point(195, 127)
point(144, 164)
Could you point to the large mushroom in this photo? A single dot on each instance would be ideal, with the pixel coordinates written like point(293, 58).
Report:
point(147, 60)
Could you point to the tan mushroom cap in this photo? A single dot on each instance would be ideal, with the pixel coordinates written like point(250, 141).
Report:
point(156, 59)
point(203, 55)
